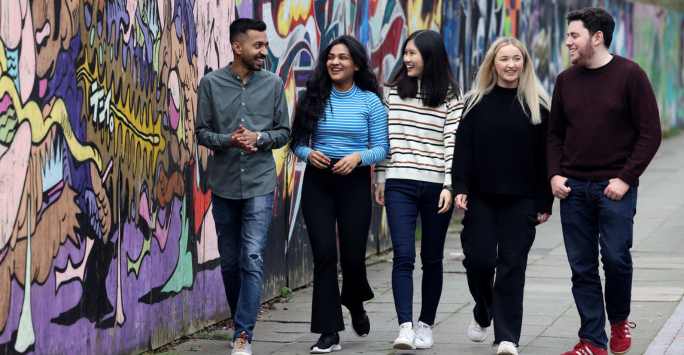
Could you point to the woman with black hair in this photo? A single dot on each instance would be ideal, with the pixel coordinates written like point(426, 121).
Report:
point(424, 111)
point(339, 129)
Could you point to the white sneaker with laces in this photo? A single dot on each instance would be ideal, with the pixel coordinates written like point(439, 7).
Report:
point(241, 346)
point(423, 336)
point(476, 333)
point(507, 348)
point(406, 338)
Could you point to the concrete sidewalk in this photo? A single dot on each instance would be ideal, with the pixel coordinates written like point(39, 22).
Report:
point(550, 322)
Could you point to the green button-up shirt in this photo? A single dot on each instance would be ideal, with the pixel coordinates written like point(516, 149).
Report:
point(225, 103)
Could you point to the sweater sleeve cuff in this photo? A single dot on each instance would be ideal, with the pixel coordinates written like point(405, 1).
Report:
point(630, 179)
point(302, 152)
point(544, 204)
point(380, 177)
point(553, 172)
point(447, 179)
point(459, 188)
point(370, 157)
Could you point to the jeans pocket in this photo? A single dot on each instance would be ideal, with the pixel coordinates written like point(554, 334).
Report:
point(570, 182)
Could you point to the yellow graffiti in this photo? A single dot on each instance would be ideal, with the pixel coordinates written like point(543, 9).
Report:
point(135, 128)
point(291, 13)
point(40, 127)
point(280, 155)
point(417, 21)
point(3, 59)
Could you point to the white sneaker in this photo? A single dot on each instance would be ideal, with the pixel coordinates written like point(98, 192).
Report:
point(507, 348)
point(241, 346)
point(423, 336)
point(476, 333)
point(406, 338)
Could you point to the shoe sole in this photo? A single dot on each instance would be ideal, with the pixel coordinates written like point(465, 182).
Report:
point(621, 352)
point(360, 334)
point(336, 347)
point(403, 346)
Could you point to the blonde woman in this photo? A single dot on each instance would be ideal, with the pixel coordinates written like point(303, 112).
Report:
point(499, 178)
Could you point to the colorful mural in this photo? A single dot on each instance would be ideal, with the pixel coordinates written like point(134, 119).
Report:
point(107, 245)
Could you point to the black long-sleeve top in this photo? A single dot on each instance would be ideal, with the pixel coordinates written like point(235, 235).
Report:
point(500, 152)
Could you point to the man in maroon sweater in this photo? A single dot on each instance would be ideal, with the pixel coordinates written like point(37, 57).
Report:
point(604, 129)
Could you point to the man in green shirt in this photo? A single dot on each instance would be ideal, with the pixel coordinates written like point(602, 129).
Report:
point(241, 116)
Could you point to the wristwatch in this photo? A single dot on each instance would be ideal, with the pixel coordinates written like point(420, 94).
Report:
point(260, 139)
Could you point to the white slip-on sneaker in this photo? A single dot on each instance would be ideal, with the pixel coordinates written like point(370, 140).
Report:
point(423, 336)
point(406, 338)
point(507, 348)
point(476, 333)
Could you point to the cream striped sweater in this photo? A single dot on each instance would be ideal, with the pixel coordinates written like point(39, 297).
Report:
point(421, 139)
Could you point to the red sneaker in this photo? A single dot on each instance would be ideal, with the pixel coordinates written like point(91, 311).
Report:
point(585, 348)
point(621, 337)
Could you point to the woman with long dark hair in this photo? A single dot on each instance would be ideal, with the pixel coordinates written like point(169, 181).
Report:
point(340, 130)
point(424, 111)
point(500, 180)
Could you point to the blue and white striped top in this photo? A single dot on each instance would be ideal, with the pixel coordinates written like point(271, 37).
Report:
point(354, 121)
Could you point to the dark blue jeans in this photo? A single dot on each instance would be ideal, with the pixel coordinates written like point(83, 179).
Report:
point(405, 200)
point(591, 223)
point(242, 228)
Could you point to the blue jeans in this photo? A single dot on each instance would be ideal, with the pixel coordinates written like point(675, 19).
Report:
point(591, 220)
point(242, 227)
point(405, 200)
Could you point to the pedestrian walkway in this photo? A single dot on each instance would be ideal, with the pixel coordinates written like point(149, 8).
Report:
point(550, 320)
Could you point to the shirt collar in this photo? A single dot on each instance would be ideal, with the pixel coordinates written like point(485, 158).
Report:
point(237, 77)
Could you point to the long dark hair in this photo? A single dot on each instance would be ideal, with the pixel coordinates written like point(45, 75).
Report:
point(437, 81)
point(311, 104)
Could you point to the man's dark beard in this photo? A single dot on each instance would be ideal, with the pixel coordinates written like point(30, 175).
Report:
point(253, 66)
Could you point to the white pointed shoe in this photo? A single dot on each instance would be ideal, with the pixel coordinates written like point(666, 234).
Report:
point(406, 338)
point(476, 333)
point(423, 336)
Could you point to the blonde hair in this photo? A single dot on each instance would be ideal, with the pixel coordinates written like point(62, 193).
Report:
point(530, 90)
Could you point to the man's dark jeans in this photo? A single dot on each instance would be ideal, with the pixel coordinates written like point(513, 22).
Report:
point(589, 220)
point(242, 229)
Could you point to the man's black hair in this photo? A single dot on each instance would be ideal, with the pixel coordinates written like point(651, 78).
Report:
point(242, 25)
point(595, 19)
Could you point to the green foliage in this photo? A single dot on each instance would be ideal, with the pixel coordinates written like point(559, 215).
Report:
point(672, 132)
point(285, 293)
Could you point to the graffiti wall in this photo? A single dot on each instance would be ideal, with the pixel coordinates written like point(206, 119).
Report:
point(107, 243)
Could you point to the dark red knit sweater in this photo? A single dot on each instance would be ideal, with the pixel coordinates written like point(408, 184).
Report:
point(604, 123)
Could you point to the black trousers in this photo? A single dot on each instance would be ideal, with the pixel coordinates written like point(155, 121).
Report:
point(498, 232)
point(333, 204)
